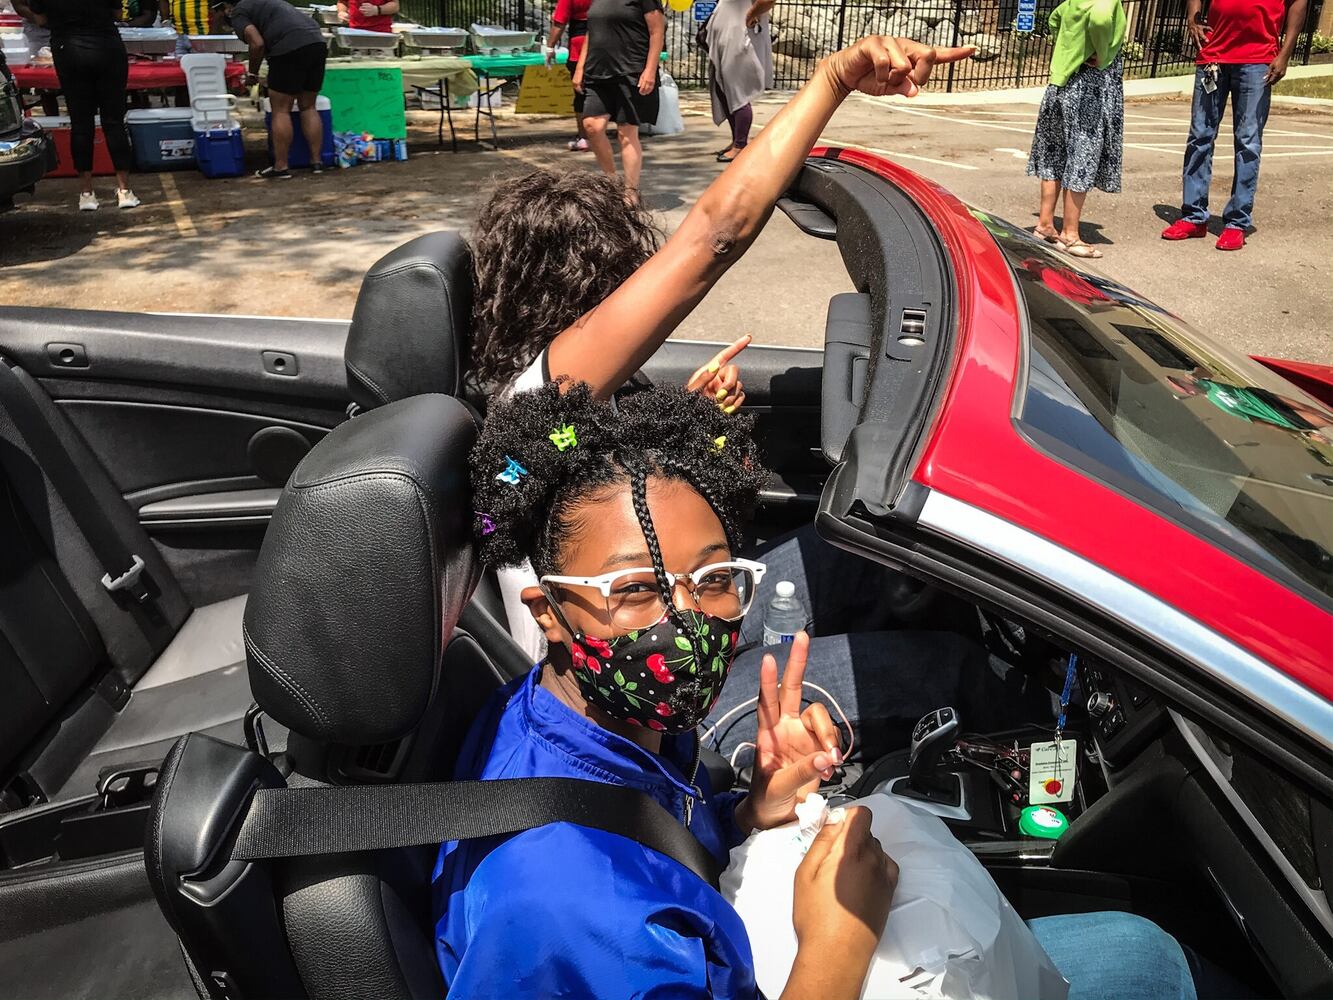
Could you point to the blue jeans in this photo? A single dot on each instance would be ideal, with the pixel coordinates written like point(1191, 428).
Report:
point(1115, 955)
point(883, 674)
point(1244, 84)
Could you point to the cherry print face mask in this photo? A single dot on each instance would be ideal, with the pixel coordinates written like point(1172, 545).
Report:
point(657, 677)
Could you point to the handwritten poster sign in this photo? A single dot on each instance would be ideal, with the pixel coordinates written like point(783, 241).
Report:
point(545, 92)
point(367, 99)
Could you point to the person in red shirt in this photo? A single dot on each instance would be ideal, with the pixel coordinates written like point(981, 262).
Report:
point(1244, 48)
point(571, 16)
point(368, 15)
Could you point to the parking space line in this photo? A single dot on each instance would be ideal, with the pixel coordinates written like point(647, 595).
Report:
point(892, 154)
point(179, 213)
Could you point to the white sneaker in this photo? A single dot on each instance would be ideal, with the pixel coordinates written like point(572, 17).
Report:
point(126, 198)
point(87, 201)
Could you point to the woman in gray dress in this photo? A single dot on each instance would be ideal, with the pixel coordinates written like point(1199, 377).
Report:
point(740, 66)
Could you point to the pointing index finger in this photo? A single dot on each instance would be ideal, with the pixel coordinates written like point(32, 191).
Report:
point(723, 357)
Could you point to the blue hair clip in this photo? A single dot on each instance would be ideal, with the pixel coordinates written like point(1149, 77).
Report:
point(512, 472)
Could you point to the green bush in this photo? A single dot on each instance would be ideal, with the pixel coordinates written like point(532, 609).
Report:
point(1321, 43)
point(1133, 51)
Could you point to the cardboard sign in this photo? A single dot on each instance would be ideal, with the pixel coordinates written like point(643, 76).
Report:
point(367, 99)
point(1027, 16)
point(545, 92)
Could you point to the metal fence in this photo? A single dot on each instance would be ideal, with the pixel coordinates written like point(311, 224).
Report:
point(1156, 42)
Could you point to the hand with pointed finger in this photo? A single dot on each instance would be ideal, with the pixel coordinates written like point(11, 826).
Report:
point(795, 749)
point(719, 380)
point(879, 65)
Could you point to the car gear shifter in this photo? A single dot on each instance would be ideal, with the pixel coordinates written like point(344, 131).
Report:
point(940, 791)
point(932, 736)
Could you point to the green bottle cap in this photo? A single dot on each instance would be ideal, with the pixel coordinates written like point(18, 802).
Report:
point(1042, 821)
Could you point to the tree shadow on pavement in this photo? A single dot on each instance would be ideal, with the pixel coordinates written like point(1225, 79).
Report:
point(30, 235)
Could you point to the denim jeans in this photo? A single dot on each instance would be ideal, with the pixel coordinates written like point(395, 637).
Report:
point(1120, 955)
point(883, 674)
point(1249, 95)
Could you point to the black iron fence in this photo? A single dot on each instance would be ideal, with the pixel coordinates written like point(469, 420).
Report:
point(1156, 42)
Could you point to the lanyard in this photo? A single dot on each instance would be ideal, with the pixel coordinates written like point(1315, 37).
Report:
point(1064, 697)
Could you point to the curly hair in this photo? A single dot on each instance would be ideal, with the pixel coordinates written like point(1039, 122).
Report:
point(662, 432)
point(547, 248)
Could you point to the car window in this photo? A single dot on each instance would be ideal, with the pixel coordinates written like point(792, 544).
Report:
point(1127, 392)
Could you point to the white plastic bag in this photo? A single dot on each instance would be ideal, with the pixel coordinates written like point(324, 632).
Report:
point(950, 933)
point(669, 120)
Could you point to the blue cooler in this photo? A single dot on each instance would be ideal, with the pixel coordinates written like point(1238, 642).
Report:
point(299, 155)
point(220, 151)
point(163, 138)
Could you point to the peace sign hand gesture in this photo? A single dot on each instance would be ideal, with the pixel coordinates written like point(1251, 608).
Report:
point(794, 750)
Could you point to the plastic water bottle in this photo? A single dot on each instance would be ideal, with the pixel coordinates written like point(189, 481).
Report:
point(785, 615)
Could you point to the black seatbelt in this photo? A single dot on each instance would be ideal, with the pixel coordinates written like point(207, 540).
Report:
point(122, 569)
point(304, 822)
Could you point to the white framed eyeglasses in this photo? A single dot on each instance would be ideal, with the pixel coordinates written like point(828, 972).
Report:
point(633, 601)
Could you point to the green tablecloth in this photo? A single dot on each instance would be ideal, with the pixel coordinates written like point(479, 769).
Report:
point(514, 65)
point(426, 71)
point(511, 65)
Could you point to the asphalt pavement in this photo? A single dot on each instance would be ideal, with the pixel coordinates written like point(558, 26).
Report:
point(299, 247)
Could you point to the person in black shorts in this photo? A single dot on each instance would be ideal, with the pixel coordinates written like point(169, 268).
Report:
point(618, 75)
point(295, 50)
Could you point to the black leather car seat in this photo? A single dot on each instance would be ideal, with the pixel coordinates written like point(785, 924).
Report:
point(93, 678)
point(351, 644)
point(91, 682)
point(412, 333)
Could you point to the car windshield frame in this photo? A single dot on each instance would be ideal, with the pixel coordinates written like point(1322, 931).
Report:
point(1131, 354)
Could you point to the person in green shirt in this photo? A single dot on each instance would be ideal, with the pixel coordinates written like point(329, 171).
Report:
point(1079, 140)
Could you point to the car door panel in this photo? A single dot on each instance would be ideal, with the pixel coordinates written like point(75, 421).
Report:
point(187, 412)
point(782, 393)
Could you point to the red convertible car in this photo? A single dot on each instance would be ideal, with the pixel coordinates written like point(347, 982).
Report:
point(1071, 473)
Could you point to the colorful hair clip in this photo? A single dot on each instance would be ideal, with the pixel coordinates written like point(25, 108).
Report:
point(564, 437)
point(719, 443)
point(487, 524)
point(511, 472)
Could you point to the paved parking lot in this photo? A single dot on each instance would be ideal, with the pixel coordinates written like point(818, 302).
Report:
point(299, 247)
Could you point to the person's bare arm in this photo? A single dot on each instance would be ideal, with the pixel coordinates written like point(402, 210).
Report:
point(1277, 69)
point(391, 8)
point(656, 37)
point(28, 14)
point(843, 889)
point(757, 10)
point(164, 10)
point(343, 13)
point(255, 40)
point(1199, 32)
point(612, 341)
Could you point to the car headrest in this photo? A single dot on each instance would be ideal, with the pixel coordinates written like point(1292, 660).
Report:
point(365, 568)
point(412, 322)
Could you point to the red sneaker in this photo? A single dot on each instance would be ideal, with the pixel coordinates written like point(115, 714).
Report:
point(1231, 239)
point(1183, 229)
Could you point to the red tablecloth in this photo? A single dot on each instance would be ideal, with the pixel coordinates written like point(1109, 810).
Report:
point(144, 75)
